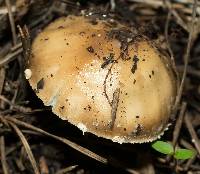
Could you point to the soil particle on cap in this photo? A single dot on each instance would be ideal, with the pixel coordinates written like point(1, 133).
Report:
point(108, 60)
point(90, 49)
point(87, 108)
point(138, 129)
point(82, 33)
point(135, 61)
point(40, 84)
point(62, 107)
point(93, 21)
point(60, 27)
point(125, 37)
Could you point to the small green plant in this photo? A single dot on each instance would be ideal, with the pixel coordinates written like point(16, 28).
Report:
point(168, 149)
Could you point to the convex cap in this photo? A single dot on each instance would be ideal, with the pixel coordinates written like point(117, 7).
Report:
point(103, 78)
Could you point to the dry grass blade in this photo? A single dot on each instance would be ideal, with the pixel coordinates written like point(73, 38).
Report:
point(2, 78)
point(12, 23)
point(27, 148)
point(67, 169)
point(3, 156)
point(187, 55)
point(65, 141)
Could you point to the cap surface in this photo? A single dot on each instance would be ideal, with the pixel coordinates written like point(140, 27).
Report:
point(103, 79)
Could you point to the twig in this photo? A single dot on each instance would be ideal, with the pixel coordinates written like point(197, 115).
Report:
point(113, 5)
point(186, 57)
point(186, 144)
point(16, 107)
point(9, 57)
point(13, 148)
point(179, 124)
point(15, 47)
point(63, 140)
point(4, 10)
point(2, 78)
point(167, 36)
point(3, 156)
point(115, 102)
point(192, 132)
point(169, 48)
point(105, 83)
point(12, 22)
point(190, 71)
point(27, 148)
point(176, 15)
point(43, 165)
point(189, 163)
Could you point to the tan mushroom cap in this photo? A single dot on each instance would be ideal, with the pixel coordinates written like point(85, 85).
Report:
point(78, 69)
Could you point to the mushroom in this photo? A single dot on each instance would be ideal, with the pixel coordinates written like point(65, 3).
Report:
point(103, 78)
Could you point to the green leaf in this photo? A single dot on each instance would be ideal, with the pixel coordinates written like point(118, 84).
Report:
point(163, 147)
point(184, 154)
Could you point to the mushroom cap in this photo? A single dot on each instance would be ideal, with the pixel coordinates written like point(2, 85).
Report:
point(102, 78)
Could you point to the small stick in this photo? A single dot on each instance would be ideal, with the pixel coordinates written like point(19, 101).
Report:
point(12, 22)
point(3, 156)
point(15, 107)
point(179, 124)
point(115, 102)
point(113, 5)
point(9, 57)
point(104, 84)
point(192, 132)
point(176, 15)
point(186, 57)
point(63, 140)
point(27, 148)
